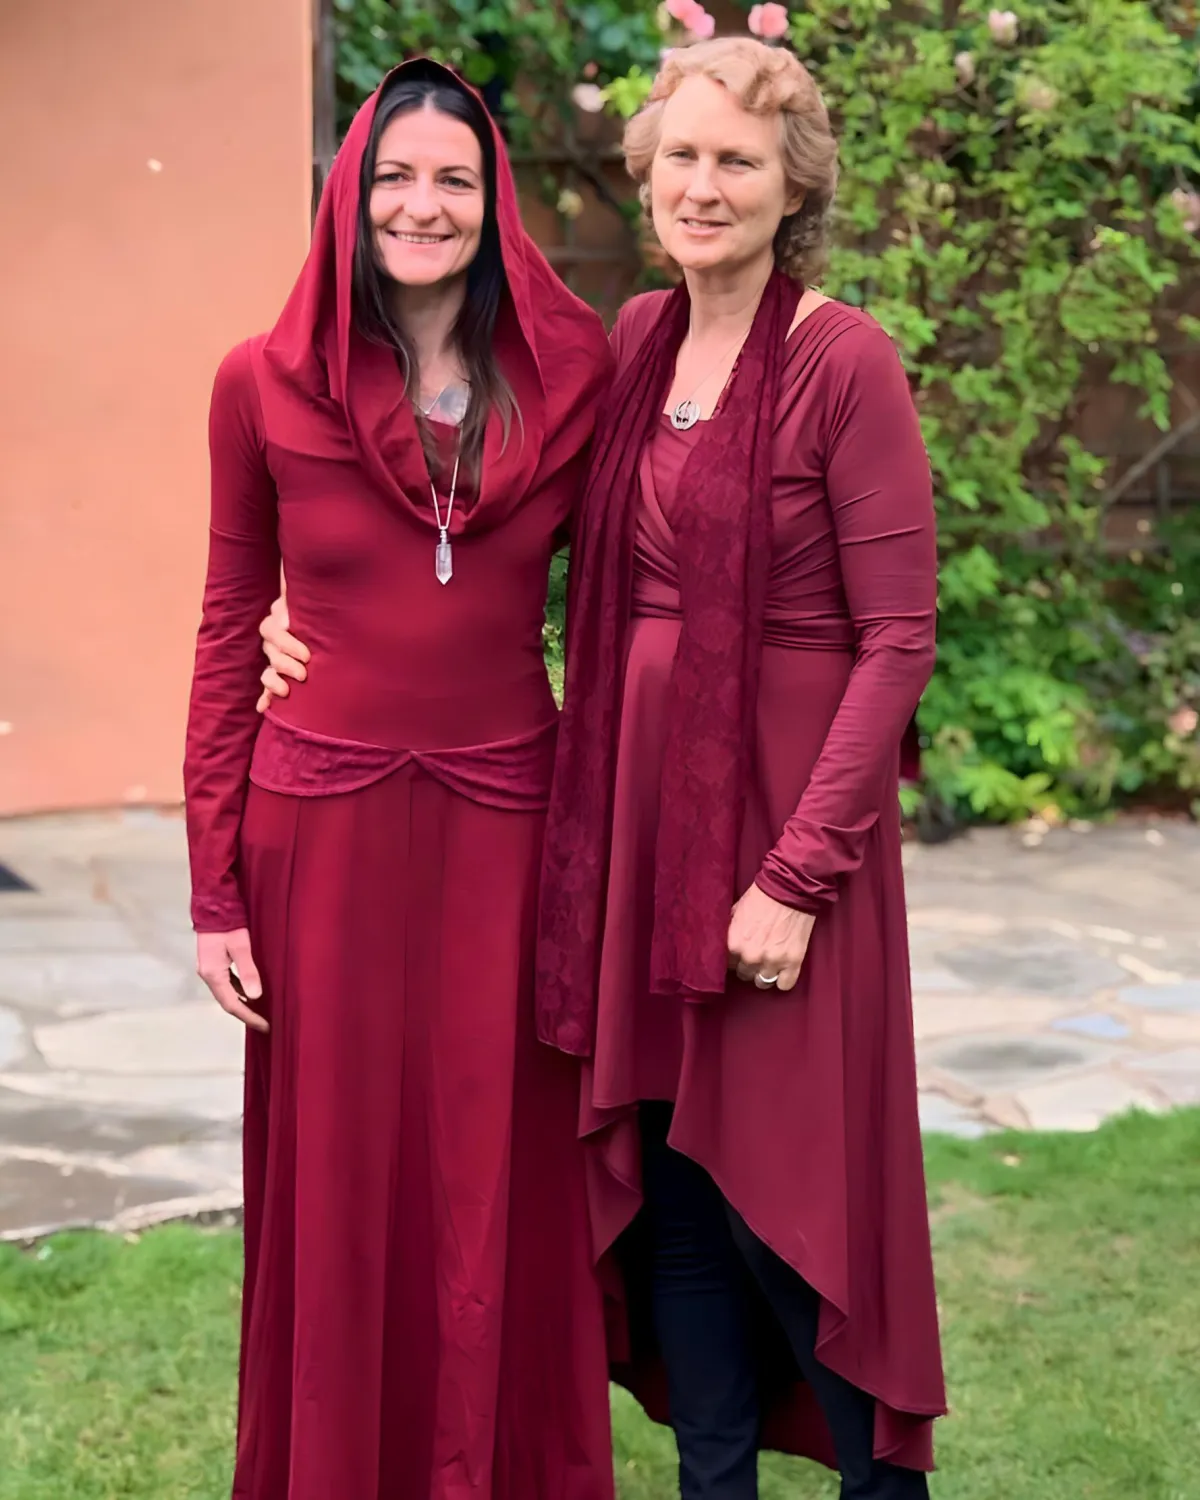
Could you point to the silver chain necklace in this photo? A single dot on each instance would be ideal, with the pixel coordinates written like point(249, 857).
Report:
point(425, 410)
point(686, 414)
point(443, 556)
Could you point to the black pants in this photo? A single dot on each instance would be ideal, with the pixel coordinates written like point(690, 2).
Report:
point(701, 1252)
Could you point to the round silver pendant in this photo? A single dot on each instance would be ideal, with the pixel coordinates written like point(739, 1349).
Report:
point(685, 415)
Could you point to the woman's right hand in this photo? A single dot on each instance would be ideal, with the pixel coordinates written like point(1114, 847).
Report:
point(217, 953)
point(287, 655)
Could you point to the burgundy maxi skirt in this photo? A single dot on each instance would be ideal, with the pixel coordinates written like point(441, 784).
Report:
point(421, 1319)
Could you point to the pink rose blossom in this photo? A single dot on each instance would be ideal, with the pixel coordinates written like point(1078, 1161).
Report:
point(692, 16)
point(769, 21)
point(1004, 26)
point(964, 68)
point(1187, 201)
point(589, 97)
point(1183, 722)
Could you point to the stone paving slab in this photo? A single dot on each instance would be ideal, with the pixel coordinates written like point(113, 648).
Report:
point(176, 1094)
point(73, 983)
point(1183, 996)
point(1003, 1062)
point(938, 1014)
point(1081, 1102)
point(1056, 982)
point(81, 1131)
point(1095, 1024)
point(942, 1116)
point(74, 1195)
point(135, 1043)
point(1024, 961)
point(13, 1041)
point(1174, 1076)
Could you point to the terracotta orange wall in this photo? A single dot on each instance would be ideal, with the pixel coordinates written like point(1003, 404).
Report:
point(121, 286)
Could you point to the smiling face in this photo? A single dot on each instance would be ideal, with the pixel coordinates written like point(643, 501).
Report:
point(717, 186)
point(427, 198)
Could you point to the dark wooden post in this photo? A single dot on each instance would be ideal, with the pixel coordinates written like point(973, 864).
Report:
point(324, 95)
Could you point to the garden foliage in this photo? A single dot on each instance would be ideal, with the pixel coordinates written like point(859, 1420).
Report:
point(1019, 208)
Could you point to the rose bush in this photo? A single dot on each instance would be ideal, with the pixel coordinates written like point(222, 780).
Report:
point(1020, 206)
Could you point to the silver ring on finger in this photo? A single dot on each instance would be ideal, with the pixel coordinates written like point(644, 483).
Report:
point(765, 981)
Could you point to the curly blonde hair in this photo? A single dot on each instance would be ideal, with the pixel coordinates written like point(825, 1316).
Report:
point(764, 80)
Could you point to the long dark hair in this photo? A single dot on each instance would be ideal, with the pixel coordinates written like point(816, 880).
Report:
point(415, 90)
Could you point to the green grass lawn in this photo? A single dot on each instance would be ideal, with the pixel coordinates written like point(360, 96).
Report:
point(1069, 1269)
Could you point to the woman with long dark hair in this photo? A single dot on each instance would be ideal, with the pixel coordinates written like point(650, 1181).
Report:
point(421, 1319)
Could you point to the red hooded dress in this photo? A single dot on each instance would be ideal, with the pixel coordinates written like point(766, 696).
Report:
point(801, 1106)
point(421, 1317)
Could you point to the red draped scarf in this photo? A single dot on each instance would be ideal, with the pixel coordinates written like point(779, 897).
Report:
point(724, 541)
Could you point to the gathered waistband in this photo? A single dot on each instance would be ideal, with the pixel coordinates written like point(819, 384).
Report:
point(653, 600)
point(511, 774)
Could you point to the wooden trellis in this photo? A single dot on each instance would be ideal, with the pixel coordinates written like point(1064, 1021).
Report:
point(324, 95)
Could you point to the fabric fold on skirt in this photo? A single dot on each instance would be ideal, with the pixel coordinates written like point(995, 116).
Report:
point(513, 774)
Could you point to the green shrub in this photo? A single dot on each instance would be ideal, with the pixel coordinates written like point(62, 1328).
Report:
point(1019, 208)
point(497, 45)
point(1016, 210)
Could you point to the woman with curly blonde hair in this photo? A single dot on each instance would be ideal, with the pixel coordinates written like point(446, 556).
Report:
point(722, 923)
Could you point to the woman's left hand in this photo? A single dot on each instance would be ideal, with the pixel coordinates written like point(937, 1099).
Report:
point(768, 941)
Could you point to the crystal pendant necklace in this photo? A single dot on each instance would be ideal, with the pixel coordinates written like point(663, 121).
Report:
point(443, 557)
